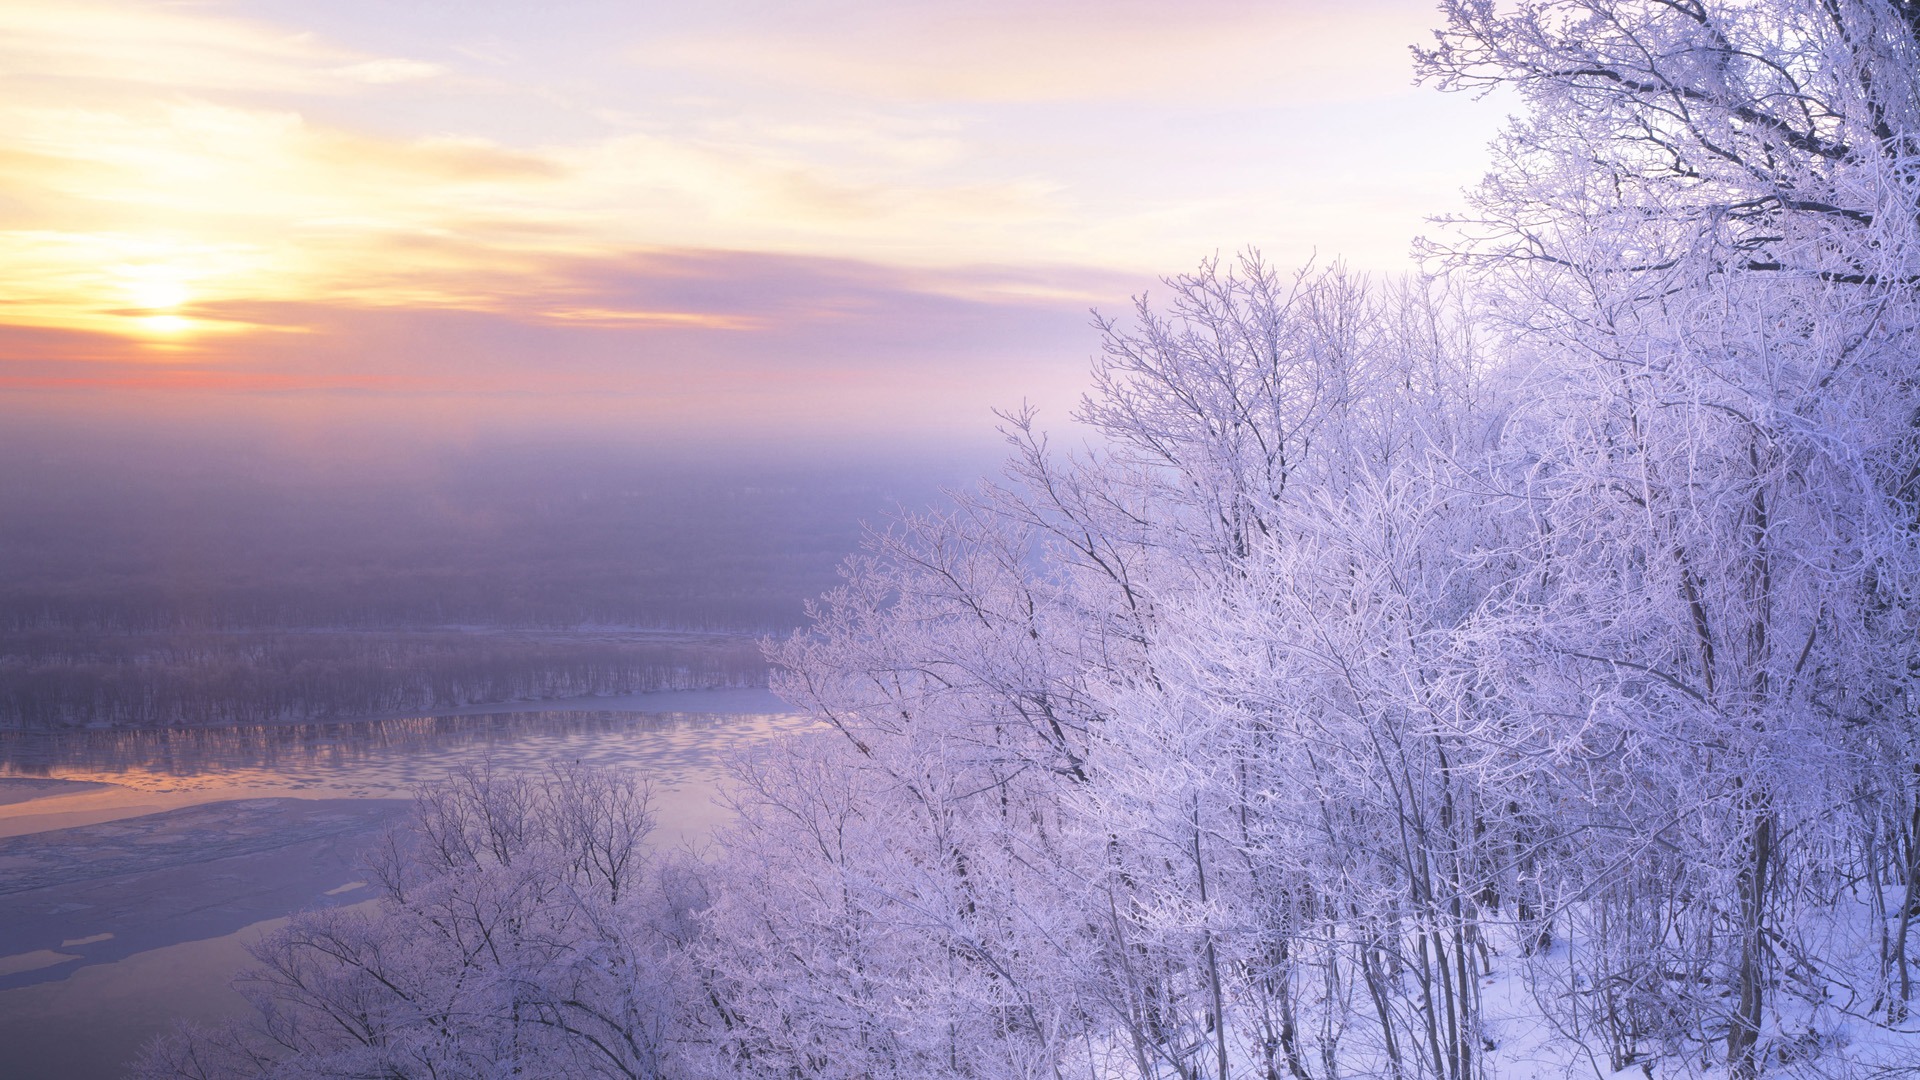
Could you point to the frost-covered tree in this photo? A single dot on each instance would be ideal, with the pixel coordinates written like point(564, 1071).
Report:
point(1037, 779)
point(522, 929)
point(1704, 227)
point(1369, 646)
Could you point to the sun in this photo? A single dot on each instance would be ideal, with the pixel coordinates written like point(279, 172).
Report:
point(155, 293)
point(158, 293)
point(155, 286)
point(165, 325)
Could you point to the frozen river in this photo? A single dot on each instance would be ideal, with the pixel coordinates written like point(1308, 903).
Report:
point(135, 865)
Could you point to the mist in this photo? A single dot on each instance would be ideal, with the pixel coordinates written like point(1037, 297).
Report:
point(167, 573)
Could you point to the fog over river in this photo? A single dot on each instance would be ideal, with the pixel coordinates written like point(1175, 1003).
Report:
point(135, 865)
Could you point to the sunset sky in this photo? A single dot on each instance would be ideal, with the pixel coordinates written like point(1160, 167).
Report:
point(669, 216)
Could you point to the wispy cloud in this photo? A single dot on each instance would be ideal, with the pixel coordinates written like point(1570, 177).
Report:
point(571, 200)
point(163, 47)
point(680, 340)
point(389, 70)
point(1100, 51)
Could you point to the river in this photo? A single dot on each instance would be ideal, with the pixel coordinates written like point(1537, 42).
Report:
point(135, 865)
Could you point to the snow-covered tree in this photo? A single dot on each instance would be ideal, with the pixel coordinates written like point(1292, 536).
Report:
point(1038, 776)
point(1371, 644)
point(522, 929)
point(1704, 228)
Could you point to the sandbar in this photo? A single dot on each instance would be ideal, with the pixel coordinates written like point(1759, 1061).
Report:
point(19, 789)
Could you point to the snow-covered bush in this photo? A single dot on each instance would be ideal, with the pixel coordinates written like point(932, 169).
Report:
point(523, 928)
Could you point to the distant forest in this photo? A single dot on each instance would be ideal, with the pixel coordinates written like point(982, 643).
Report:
point(187, 589)
point(157, 679)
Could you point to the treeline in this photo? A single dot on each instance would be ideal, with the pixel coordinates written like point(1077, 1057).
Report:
point(418, 740)
point(178, 587)
point(54, 680)
point(748, 594)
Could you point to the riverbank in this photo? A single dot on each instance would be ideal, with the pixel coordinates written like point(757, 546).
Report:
point(100, 893)
point(78, 777)
point(135, 865)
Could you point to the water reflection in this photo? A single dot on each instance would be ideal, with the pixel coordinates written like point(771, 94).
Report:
point(377, 758)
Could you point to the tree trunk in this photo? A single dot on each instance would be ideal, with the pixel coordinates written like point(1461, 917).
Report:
point(1743, 1035)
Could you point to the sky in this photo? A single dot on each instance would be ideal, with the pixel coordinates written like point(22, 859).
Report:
point(807, 221)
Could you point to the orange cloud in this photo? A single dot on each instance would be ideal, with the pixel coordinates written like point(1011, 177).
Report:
point(191, 200)
point(707, 340)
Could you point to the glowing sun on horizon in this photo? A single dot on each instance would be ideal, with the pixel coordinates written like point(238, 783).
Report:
point(156, 293)
point(165, 325)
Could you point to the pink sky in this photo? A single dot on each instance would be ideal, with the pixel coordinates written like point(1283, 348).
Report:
point(871, 216)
